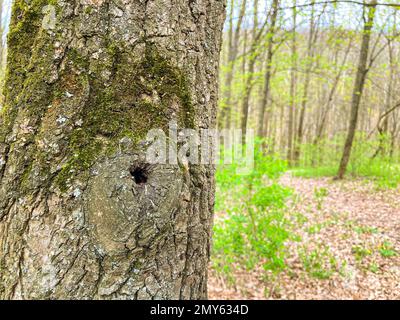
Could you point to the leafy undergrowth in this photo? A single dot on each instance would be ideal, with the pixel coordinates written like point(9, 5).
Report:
point(288, 237)
point(252, 227)
point(383, 167)
point(384, 174)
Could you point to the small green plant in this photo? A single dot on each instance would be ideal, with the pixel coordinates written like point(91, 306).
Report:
point(319, 262)
point(300, 219)
point(373, 267)
point(320, 194)
point(366, 230)
point(360, 252)
point(387, 250)
point(316, 228)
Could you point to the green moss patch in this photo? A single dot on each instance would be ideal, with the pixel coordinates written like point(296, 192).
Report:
point(140, 95)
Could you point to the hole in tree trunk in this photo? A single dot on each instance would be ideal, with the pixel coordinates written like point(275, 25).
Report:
point(139, 174)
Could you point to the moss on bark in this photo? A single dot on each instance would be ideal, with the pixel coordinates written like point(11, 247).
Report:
point(139, 96)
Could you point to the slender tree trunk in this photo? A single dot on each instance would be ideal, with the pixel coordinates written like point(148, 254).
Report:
point(327, 107)
point(255, 18)
point(268, 71)
point(254, 53)
point(362, 71)
point(233, 47)
point(393, 137)
point(227, 85)
point(383, 127)
point(383, 123)
point(293, 80)
point(312, 39)
point(82, 215)
point(246, 98)
point(325, 111)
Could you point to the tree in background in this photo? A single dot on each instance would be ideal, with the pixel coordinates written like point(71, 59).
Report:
point(233, 49)
point(298, 86)
point(293, 80)
point(358, 88)
point(268, 70)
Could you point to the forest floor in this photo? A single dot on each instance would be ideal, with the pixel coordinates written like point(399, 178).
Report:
point(349, 247)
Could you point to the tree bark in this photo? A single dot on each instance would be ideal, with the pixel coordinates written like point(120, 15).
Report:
point(82, 215)
point(361, 75)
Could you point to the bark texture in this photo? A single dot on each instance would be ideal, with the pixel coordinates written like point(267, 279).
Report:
point(82, 215)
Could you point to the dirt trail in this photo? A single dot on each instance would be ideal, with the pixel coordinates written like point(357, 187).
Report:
point(350, 247)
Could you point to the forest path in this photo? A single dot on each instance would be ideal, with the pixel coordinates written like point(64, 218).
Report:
point(350, 247)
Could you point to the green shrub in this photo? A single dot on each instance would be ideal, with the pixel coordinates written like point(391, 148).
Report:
point(253, 229)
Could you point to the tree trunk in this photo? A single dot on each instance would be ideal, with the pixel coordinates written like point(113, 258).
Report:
point(325, 109)
point(82, 215)
point(383, 124)
point(268, 72)
point(361, 75)
point(393, 137)
point(254, 53)
point(293, 80)
point(312, 39)
point(233, 47)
